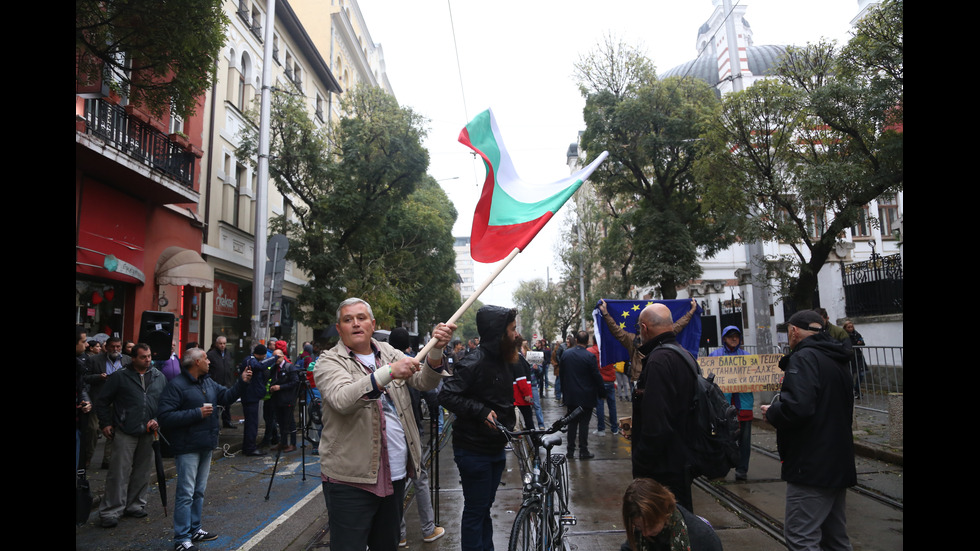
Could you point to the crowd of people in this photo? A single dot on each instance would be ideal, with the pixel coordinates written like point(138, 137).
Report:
point(372, 390)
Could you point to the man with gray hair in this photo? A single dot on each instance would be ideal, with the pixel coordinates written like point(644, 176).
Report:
point(370, 442)
point(187, 418)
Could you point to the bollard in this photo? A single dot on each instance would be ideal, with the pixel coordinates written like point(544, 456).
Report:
point(895, 419)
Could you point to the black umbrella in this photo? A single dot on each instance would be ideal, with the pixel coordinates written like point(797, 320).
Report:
point(161, 476)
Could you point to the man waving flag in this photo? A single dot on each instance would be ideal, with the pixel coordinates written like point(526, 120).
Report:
point(511, 211)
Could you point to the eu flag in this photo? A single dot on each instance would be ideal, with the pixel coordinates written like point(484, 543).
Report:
point(627, 314)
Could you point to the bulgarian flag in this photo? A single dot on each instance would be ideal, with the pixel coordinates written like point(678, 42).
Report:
point(511, 211)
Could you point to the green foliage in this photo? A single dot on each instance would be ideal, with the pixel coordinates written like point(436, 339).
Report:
point(652, 130)
point(370, 222)
point(161, 54)
point(796, 159)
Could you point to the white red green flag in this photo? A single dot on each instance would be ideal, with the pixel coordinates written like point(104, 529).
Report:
point(511, 211)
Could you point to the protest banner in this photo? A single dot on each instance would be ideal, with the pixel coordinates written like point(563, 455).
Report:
point(750, 373)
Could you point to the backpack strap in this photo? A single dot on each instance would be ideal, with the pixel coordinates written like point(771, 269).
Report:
point(686, 355)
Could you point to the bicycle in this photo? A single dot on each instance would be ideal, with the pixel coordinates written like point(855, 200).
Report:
point(542, 521)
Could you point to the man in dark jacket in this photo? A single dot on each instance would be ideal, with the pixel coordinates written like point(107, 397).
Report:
point(259, 365)
point(98, 368)
point(662, 406)
point(222, 371)
point(813, 434)
point(578, 371)
point(186, 413)
point(480, 393)
point(127, 409)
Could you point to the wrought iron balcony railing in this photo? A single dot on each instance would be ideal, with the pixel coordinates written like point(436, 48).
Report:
point(139, 140)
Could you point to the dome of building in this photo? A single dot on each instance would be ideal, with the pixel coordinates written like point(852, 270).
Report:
point(761, 60)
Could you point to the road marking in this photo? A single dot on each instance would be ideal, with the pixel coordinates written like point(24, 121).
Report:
point(257, 539)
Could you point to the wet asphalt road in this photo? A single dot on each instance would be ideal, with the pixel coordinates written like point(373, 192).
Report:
point(294, 516)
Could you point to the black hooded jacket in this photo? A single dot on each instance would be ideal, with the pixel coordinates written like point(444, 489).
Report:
point(813, 415)
point(482, 381)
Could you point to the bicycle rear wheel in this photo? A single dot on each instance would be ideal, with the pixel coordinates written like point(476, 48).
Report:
point(526, 533)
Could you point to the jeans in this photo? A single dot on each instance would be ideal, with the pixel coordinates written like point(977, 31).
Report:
point(611, 400)
point(480, 475)
point(744, 448)
point(537, 405)
point(251, 432)
point(192, 482)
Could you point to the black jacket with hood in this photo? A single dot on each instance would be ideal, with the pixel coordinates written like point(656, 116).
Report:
point(482, 381)
point(813, 415)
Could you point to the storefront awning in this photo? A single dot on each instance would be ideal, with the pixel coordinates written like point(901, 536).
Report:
point(180, 266)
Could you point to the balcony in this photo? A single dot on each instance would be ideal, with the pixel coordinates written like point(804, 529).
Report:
point(122, 147)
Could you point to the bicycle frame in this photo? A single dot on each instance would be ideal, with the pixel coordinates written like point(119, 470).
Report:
point(541, 521)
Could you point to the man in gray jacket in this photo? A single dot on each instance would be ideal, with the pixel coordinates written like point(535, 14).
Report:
point(127, 409)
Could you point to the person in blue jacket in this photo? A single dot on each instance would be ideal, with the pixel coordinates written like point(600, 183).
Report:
point(743, 401)
point(188, 419)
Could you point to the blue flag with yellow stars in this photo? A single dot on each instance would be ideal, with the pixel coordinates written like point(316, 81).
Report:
point(627, 314)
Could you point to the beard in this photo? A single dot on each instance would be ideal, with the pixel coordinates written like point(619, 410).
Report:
point(114, 355)
point(508, 349)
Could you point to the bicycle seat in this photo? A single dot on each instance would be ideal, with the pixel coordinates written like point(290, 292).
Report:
point(551, 441)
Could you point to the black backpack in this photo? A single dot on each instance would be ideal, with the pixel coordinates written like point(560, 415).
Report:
point(714, 444)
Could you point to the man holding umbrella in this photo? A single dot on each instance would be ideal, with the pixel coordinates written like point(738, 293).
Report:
point(188, 420)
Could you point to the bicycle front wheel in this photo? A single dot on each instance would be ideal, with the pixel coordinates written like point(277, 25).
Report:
point(526, 533)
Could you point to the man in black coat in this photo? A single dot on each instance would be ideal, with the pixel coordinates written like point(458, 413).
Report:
point(578, 371)
point(662, 402)
point(813, 434)
point(222, 372)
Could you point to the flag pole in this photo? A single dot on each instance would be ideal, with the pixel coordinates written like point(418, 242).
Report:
point(469, 302)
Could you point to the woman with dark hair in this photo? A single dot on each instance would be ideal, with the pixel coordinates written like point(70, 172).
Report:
point(655, 522)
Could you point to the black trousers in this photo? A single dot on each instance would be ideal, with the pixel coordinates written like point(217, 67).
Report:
point(360, 519)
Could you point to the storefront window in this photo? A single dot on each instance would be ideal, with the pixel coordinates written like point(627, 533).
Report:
point(99, 307)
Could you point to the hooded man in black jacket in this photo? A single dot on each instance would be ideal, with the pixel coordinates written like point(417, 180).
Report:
point(813, 417)
point(481, 392)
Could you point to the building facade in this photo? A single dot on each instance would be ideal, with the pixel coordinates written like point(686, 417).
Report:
point(137, 229)
point(230, 184)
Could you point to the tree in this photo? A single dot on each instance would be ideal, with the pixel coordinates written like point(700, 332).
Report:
point(651, 129)
point(160, 54)
point(369, 222)
point(796, 160)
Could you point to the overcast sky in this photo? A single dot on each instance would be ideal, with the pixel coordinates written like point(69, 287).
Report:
point(517, 57)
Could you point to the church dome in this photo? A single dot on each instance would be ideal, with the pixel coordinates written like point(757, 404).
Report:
point(761, 60)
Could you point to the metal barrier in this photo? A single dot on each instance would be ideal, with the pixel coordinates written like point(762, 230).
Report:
point(878, 371)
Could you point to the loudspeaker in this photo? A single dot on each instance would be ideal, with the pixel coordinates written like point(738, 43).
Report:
point(709, 331)
point(157, 330)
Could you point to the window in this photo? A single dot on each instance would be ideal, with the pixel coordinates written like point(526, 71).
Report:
point(318, 107)
point(862, 229)
point(888, 215)
point(240, 175)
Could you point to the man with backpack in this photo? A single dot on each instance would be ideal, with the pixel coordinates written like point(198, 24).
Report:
point(743, 401)
point(662, 405)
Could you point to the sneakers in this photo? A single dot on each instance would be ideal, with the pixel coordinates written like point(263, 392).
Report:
point(403, 542)
point(586, 455)
point(185, 546)
point(599, 433)
point(202, 535)
point(436, 534)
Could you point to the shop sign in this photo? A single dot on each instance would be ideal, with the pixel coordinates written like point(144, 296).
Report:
point(225, 298)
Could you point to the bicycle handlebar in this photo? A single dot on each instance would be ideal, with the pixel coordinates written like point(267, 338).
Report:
point(555, 427)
